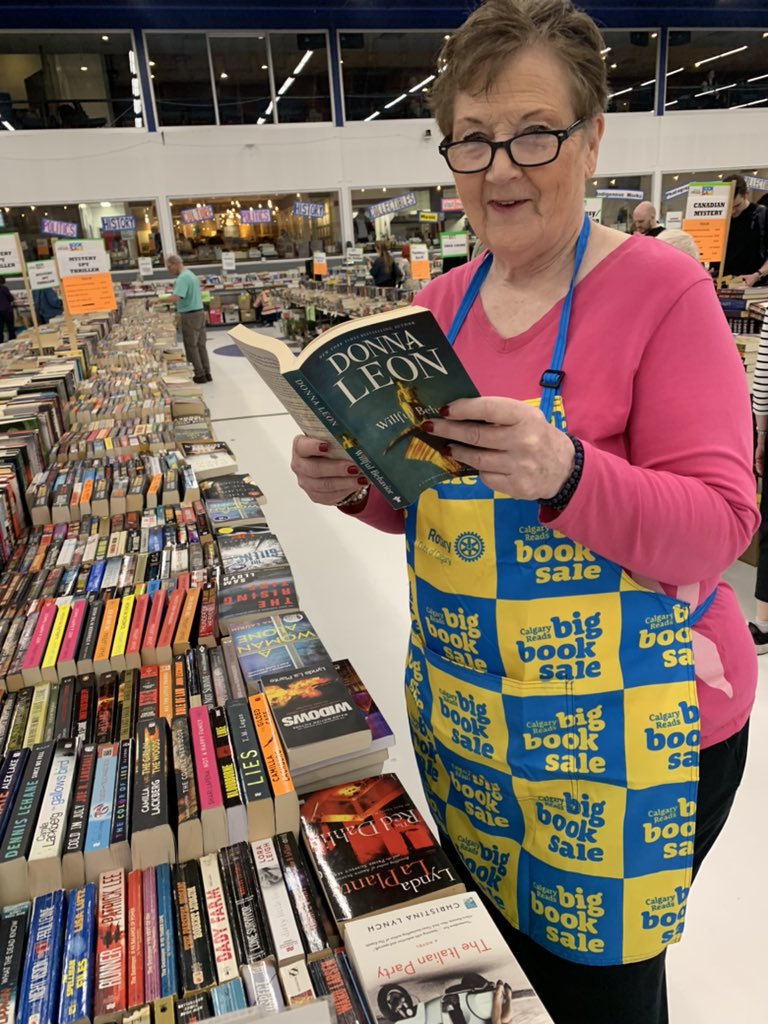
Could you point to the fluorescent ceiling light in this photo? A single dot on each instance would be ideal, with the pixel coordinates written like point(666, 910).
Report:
point(720, 88)
point(8, 126)
point(302, 63)
point(754, 103)
point(393, 102)
point(268, 111)
point(105, 39)
point(606, 50)
point(621, 93)
point(286, 85)
point(371, 116)
point(668, 75)
point(261, 120)
point(671, 104)
point(426, 81)
point(719, 55)
point(757, 78)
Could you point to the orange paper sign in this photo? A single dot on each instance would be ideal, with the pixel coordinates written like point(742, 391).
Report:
point(88, 293)
point(709, 235)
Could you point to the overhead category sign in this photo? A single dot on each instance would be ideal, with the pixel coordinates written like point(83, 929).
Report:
point(195, 214)
point(406, 201)
point(450, 205)
point(123, 222)
point(757, 183)
point(312, 211)
point(256, 216)
point(673, 193)
point(620, 193)
point(60, 228)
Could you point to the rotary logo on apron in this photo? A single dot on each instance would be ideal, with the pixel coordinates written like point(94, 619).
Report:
point(553, 710)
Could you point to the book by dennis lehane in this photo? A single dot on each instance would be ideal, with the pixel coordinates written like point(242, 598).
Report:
point(370, 384)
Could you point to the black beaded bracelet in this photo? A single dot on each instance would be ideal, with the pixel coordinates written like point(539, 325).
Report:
point(559, 502)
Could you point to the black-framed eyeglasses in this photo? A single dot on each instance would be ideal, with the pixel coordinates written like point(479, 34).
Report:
point(529, 149)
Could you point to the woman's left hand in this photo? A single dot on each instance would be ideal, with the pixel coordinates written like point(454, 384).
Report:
point(515, 450)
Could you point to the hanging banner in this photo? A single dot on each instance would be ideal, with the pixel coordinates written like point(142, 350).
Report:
point(146, 268)
point(228, 262)
point(454, 243)
point(760, 184)
point(673, 193)
point(311, 211)
point(620, 193)
point(60, 228)
point(123, 222)
point(319, 264)
point(708, 217)
point(251, 216)
point(42, 274)
point(406, 201)
point(450, 205)
point(195, 214)
point(419, 262)
point(594, 209)
point(427, 217)
point(10, 260)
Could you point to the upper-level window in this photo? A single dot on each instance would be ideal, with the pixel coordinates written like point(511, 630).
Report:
point(68, 80)
point(242, 78)
point(387, 74)
point(711, 69)
point(630, 58)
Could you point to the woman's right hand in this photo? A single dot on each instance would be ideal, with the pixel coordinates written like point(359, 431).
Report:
point(325, 478)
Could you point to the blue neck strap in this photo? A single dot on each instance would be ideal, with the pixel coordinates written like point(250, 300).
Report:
point(552, 378)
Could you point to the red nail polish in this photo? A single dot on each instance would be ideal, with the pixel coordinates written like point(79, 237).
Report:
point(352, 470)
point(428, 426)
point(362, 480)
point(444, 411)
point(324, 446)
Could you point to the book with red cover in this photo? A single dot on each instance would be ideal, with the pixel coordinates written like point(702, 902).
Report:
point(372, 850)
point(135, 939)
point(164, 651)
point(152, 632)
point(136, 632)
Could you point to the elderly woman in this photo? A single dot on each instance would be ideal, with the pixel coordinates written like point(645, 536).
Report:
point(579, 679)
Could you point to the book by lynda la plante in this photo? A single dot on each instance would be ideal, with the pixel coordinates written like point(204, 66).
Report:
point(370, 384)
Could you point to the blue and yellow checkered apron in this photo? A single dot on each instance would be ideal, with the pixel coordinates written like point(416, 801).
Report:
point(553, 710)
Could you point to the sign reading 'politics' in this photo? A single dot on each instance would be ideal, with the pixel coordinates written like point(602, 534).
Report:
point(59, 228)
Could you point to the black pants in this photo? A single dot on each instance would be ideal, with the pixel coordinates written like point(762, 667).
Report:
point(761, 583)
point(6, 322)
point(630, 993)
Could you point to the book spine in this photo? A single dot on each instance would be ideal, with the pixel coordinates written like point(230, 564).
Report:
point(179, 684)
point(227, 773)
point(136, 631)
point(85, 707)
point(204, 753)
point(111, 972)
point(219, 676)
point(76, 1002)
point(353, 988)
point(30, 665)
point(169, 985)
point(247, 909)
point(250, 766)
point(294, 875)
point(101, 654)
point(38, 712)
point(218, 920)
point(196, 955)
point(165, 692)
point(18, 837)
point(229, 997)
point(282, 924)
point(262, 986)
point(149, 645)
point(193, 1009)
point(186, 789)
point(102, 806)
point(125, 724)
point(297, 984)
point(50, 718)
point(165, 639)
point(14, 921)
point(11, 775)
point(55, 641)
point(151, 937)
point(207, 696)
point(74, 843)
point(150, 800)
point(135, 940)
point(50, 827)
point(328, 980)
point(19, 721)
point(6, 717)
point(39, 998)
point(148, 696)
point(64, 724)
point(105, 707)
point(235, 676)
point(276, 764)
point(90, 637)
point(66, 661)
point(120, 832)
point(120, 641)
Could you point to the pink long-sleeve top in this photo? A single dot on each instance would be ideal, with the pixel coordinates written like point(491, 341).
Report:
point(655, 390)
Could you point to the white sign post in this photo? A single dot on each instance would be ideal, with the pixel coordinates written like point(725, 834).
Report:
point(145, 266)
point(228, 262)
point(42, 274)
point(454, 243)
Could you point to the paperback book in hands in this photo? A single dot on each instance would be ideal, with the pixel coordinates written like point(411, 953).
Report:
point(369, 385)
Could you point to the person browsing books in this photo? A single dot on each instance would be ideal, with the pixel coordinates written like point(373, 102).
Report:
point(579, 680)
point(189, 304)
point(644, 219)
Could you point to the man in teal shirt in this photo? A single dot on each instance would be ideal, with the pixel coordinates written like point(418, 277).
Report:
point(189, 303)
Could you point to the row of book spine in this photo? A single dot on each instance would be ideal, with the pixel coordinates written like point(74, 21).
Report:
point(179, 943)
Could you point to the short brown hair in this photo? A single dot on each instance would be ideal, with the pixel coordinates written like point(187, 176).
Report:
point(741, 183)
point(475, 54)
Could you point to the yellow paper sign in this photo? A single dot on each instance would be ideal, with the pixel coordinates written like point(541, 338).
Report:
point(89, 293)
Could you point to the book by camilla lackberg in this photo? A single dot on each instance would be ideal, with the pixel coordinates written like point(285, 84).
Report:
point(444, 960)
point(372, 850)
point(370, 384)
